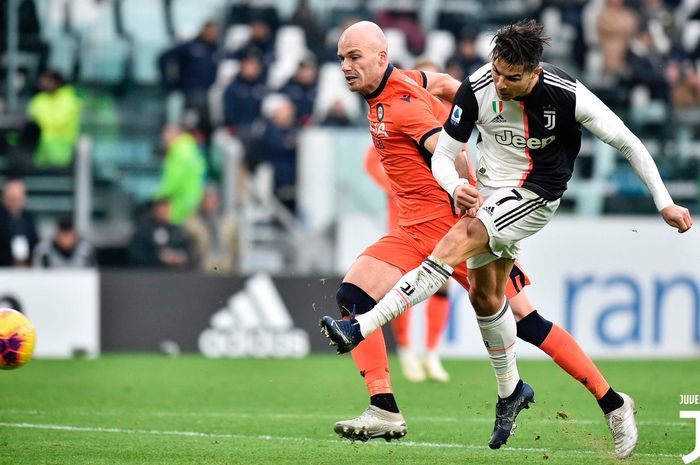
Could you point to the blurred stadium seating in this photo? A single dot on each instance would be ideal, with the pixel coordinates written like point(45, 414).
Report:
point(109, 49)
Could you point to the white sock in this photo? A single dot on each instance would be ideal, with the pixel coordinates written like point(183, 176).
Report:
point(499, 333)
point(413, 287)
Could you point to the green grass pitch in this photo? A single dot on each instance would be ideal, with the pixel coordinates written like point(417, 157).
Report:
point(146, 409)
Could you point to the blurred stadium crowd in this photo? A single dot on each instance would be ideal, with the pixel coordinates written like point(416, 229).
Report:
point(160, 90)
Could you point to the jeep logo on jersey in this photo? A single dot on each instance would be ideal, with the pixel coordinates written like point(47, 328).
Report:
point(380, 111)
point(456, 115)
point(519, 142)
point(550, 119)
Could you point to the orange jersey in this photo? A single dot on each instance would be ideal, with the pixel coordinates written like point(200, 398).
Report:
point(402, 115)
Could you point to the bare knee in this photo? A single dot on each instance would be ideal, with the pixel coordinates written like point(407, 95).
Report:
point(449, 248)
point(485, 302)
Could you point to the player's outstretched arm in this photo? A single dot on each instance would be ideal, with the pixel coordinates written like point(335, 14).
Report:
point(595, 116)
point(678, 217)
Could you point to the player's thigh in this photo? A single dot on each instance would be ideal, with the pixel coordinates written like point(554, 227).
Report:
point(383, 263)
point(426, 236)
point(374, 276)
point(488, 285)
point(465, 239)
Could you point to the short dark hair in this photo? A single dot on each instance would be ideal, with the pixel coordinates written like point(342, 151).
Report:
point(521, 43)
point(160, 200)
point(55, 76)
point(65, 224)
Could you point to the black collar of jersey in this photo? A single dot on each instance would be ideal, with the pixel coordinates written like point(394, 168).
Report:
point(536, 91)
point(382, 84)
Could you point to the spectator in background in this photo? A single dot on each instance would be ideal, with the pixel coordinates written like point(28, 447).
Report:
point(337, 115)
point(315, 34)
point(275, 142)
point(56, 110)
point(301, 89)
point(616, 25)
point(571, 16)
point(407, 22)
point(65, 250)
point(245, 12)
point(190, 67)
point(466, 56)
point(157, 242)
point(646, 66)
point(213, 234)
point(184, 171)
point(352, 12)
point(659, 15)
point(685, 85)
point(454, 69)
point(29, 28)
point(18, 143)
point(261, 43)
point(243, 96)
point(18, 235)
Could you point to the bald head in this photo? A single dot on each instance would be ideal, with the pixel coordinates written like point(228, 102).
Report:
point(365, 33)
point(362, 50)
point(14, 196)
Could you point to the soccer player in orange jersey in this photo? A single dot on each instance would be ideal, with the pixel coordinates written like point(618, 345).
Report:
point(405, 121)
point(437, 307)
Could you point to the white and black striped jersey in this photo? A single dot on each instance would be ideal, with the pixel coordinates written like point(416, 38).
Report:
point(532, 141)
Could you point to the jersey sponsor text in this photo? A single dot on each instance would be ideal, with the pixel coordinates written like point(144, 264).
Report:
point(519, 142)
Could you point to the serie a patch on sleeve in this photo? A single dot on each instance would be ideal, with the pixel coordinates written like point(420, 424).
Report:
point(456, 115)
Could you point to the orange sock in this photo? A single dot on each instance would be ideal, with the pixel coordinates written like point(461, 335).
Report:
point(402, 328)
point(566, 352)
point(371, 359)
point(437, 314)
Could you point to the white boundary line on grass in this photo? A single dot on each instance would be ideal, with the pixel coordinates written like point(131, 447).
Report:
point(301, 416)
point(196, 434)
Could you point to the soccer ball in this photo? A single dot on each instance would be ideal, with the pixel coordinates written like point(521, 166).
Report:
point(17, 337)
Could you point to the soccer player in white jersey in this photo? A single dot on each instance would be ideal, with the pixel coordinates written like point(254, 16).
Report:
point(529, 116)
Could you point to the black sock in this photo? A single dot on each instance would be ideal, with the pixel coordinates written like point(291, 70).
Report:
point(385, 402)
point(517, 389)
point(533, 328)
point(610, 401)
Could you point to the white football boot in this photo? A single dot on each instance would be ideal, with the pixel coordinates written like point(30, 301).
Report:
point(624, 427)
point(373, 423)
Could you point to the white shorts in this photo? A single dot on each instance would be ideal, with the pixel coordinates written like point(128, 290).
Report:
point(510, 214)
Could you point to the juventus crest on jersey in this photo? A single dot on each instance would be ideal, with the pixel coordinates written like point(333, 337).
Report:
point(530, 142)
